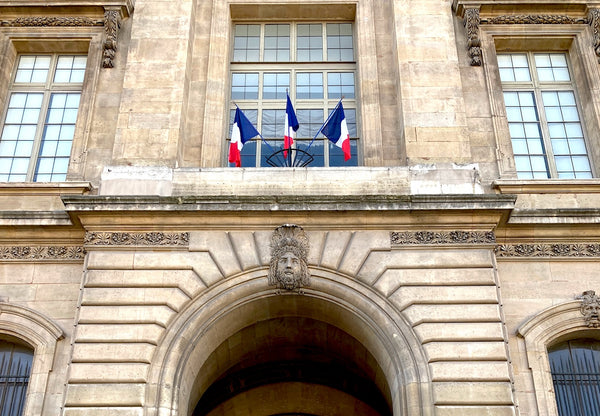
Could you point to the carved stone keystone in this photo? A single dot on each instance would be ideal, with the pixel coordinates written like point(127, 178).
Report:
point(590, 308)
point(289, 266)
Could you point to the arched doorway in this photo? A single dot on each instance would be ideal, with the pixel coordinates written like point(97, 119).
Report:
point(240, 343)
point(290, 366)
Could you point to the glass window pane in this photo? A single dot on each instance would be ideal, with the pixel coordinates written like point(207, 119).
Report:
point(309, 85)
point(340, 42)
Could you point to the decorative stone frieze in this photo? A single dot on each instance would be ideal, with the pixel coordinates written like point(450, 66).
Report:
point(442, 237)
point(137, 239)
point(471, 22)
point(289, 251)
point(590, 308)
point(37, 253)
point(49, 21)
point(535, 19)
point(548, 250)
point(112, 23)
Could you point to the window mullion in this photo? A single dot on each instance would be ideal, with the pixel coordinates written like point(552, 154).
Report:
point(545, 133)
point(39, 132)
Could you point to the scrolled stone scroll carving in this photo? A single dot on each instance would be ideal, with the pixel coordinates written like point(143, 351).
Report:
point(590, 308)
point(112, 23)
point(471, 22)
point(594, 21)
point(288, 269)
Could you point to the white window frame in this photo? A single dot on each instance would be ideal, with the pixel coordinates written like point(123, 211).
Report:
point(47, 89)
point(537, 88)
point(294, 67)
point(570, 38)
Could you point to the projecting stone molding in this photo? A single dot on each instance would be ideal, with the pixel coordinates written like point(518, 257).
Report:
point(111, 22)
point(472, 20)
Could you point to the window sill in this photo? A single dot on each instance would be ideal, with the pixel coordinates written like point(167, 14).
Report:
point(547, 186)
point(45, 188)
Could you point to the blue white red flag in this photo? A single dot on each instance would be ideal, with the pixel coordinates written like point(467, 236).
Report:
point(336, 130)
point(242, 131)
point(291, 126)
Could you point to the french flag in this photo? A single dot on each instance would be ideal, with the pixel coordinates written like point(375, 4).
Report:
point(291, 126)
point(242, 131)
point(336, 130)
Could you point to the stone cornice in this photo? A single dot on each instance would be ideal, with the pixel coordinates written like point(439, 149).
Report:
point(289, 202)
point(125, 6)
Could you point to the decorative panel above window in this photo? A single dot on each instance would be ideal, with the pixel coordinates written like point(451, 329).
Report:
point(314, 63)
point(40, 117)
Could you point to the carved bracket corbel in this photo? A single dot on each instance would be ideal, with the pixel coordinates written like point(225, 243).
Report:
point(471, 22)
point(112, 24)
point(594, 21)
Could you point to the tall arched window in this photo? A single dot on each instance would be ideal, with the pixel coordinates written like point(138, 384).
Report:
point(15, 367)
point(575, 367)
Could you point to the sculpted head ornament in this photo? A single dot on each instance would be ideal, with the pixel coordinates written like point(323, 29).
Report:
point(289, 250)
point(590, 308)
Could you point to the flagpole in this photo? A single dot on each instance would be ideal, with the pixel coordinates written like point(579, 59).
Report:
point(325, 122)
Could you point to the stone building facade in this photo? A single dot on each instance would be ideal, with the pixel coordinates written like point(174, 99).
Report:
point(438, 272)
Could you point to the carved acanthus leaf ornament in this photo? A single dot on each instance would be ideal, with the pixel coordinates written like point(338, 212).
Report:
point(42, 253)
point(442, 237)
point(137, 239)
point(548, 250)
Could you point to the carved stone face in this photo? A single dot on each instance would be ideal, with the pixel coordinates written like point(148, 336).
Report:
point(289, 270)
point(591, 311)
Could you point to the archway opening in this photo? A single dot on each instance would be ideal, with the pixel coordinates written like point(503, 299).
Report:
point(292, 365)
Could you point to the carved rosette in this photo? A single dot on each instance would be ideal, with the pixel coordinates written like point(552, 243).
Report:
point(471, 22)
point(42, 253)
point(112, 23)
point(137, 239)
point(590, 308)
point(548, 250)
point(288, 268)
point(594, 21)
point(441, 237)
